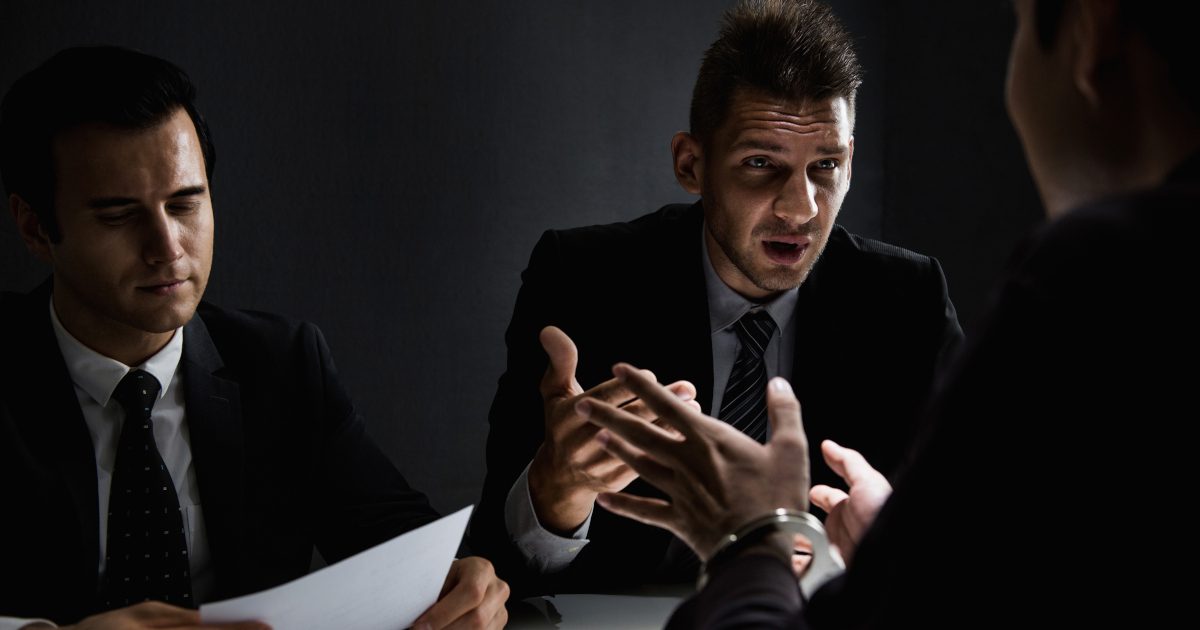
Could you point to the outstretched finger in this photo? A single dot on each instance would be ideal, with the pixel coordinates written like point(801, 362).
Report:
point(683, 390)
point(826, 497)
point(695, 406)
point(642, 509)
point(848, 463)
point(669, 408)
point(614, 392)
point(644, 435)
point(645, 466)
point(783, 411)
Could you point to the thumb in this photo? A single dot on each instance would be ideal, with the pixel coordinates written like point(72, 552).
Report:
point(560, 373)
point(848, 463)
point(783, 410)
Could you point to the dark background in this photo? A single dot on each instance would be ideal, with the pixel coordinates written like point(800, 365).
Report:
point(385, 168)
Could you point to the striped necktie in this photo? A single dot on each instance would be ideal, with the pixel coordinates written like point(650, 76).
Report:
point(744, 405)
point(146, 554)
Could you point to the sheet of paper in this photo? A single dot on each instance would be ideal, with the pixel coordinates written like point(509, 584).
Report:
point(383, 588)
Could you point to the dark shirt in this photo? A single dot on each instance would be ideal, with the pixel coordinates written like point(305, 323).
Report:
point(1050, 481)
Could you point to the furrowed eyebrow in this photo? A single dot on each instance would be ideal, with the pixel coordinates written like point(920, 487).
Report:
point(838, 150)
point(757, 145)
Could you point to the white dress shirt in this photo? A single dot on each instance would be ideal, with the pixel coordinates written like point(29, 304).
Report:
point(95, 376)
point(548, 552)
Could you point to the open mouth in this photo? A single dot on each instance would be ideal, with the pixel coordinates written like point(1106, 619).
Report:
point(787, 252)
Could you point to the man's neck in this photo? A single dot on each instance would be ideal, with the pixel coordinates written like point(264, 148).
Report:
point(1146, 168)
point(111, 339)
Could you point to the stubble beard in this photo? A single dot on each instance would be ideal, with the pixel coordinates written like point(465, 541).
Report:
point(779, 277)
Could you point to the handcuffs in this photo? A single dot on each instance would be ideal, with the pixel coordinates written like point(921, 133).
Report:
point(826, 563)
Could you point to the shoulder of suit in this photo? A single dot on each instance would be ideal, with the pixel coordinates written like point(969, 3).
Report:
point(1149, 219)
point(1139, 242)
point(18, 311)
point(250, 331)
point(846, 248)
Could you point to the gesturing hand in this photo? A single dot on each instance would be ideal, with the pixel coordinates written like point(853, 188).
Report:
point(570, 468)
point(472, 598)
point(850, 515)
point(718, 478)
point(148, 615)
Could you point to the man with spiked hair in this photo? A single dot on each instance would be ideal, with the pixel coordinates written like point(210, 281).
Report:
point(755, 280)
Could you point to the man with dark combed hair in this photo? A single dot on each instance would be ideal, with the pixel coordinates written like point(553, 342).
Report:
point(125, 400)
point(753, 281)
point(80, 85)
point(1050, 484)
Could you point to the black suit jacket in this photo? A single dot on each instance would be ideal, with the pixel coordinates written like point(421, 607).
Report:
point(873, 321)
point(282, 460)
point(1054, 478)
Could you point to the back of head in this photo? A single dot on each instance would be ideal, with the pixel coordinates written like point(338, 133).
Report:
point(793, 50)
point(1168, 27)
point(100, 84)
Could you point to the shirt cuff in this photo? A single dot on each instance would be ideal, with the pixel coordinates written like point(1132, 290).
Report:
point(16, 623)
point(543, 550)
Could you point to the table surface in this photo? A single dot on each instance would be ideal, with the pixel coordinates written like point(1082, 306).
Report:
point(643, 608)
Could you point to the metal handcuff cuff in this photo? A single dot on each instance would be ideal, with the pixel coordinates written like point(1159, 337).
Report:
point(826, 562)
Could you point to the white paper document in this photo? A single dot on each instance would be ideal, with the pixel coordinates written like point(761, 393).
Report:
point(383, 588)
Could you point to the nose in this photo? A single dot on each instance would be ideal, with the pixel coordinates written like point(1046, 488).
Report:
point(162, 243)
point(797, 200)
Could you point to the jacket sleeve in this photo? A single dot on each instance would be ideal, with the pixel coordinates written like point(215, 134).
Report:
point(365, 499)
point(516, 419)
point(753, 591)
point(949, 332)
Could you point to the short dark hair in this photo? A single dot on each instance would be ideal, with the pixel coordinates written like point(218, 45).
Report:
point(795, 50)
point(1168, 26)
point(105, 84)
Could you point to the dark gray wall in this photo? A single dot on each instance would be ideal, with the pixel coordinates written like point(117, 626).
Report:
point(956, 186)
point(385, 168)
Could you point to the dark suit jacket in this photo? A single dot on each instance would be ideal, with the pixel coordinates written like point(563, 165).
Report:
point(873, 321)
point(1053, 481)
point(282, 460)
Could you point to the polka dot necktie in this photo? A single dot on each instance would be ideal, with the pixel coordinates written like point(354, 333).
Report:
point(745, 402)
point(146, 555)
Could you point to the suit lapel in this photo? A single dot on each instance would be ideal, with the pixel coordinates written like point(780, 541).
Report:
point(214, 415)
point(49, 410)
point(687, 354)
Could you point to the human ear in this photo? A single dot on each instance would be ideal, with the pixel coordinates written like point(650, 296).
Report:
point(849, 162)
point(30, 229)
point(1097, 34)
point(689, 161)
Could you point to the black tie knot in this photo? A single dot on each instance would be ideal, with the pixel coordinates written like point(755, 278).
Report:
point(754, 330)
point(137, 393)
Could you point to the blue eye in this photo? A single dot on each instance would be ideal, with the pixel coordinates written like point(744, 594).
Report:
point(758, 161)
point(827, 164)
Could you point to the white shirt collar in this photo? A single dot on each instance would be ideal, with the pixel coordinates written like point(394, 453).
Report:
point(99, 375)
point(725, 306)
